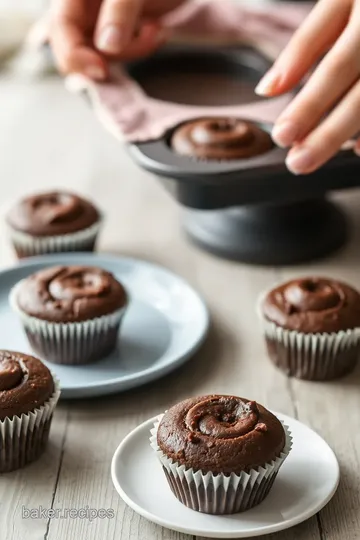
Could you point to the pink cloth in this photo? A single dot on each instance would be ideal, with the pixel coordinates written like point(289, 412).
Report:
point(273, 24)
point(130, 114)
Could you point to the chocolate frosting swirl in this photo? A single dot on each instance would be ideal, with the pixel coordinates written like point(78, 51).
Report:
point(70, 294)
point(313, 305)
point(25, 384)
point(221, 139)
point(11, 373)
point(53, 213)
point(220, 434)
point(222, 417)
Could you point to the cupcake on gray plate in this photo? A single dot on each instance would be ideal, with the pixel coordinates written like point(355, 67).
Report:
point(311, 327)
point(53, 222)
point(28, 396)
point(220, 454)
point(71, 314)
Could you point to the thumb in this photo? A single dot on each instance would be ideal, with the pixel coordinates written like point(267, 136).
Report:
point(116, 25)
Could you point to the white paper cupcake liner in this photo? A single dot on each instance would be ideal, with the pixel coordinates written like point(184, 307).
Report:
point(23, 438)
point(219, 493)
point(27, 245)
point(318, 356)
point(70, 343)
point(312, 356)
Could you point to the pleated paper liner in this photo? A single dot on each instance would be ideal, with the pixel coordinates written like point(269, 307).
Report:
point(316, 357)
point(70, 343)
point(219, 493)
point(24, 438)
point(26, 245)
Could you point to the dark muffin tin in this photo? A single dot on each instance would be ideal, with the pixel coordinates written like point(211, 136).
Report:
point(251, 210)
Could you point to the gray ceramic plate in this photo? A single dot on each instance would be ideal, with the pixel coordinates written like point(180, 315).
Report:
point(165, 324)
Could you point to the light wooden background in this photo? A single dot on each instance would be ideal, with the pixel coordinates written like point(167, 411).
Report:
point(49, 139)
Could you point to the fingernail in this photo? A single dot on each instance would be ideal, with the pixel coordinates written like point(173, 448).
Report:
point(95, 72)
point(348, 145)
point(357, 150)
point(110, 39)
point(267, 84)
point(285, 133)
point(300, 161)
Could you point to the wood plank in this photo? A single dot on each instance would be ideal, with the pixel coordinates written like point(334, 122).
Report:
point(333, 408)
point(244, 368)
point(32, 488)
point(95, 429)
point(20, 170)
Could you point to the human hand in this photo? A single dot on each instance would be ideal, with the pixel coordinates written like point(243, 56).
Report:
point(86, 33)
point(326, 112)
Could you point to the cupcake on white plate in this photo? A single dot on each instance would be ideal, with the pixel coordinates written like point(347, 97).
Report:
point(220, 454)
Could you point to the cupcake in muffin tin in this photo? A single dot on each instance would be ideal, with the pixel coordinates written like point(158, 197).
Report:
point(220, 139)
point(71, 314)
point(28, 396)
point(53, 222)
point(311, 327)
point(220, 454)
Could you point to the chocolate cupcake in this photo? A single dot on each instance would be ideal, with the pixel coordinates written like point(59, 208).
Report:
point(28, 396)
point(220, 454)
point(53, 222)
point(220, 139)
point(312, 327)
point(71, 314)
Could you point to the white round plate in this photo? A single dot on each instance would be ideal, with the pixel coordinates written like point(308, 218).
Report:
point(305, 484)
point(165, 324)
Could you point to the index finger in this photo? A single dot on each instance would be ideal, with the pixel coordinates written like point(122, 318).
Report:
point(72, 50)
point(116, 24)
point(320, 29)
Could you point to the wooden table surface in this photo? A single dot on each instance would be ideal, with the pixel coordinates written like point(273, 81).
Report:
point(48, 139)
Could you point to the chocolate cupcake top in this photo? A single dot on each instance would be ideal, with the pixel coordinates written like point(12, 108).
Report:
point(313, 305)
point(51, 214)
point(70, 294)
point(25, 384)
point(220, 434)
point(220, 139)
